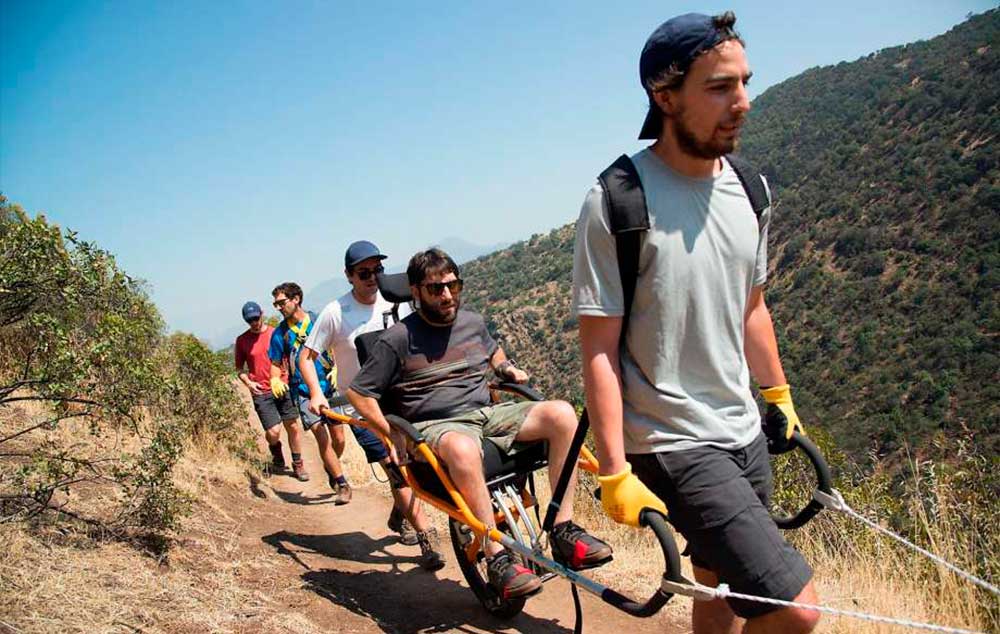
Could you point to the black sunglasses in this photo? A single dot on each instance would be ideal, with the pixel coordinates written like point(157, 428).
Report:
point(365, 274)
point(436, 288)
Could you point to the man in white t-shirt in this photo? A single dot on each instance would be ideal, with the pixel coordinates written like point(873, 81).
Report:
point(362, 310)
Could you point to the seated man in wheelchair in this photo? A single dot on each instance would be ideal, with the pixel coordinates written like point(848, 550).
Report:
point(431, 369)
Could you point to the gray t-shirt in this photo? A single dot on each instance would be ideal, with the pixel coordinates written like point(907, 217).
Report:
point(685, 375)
point(424, 372)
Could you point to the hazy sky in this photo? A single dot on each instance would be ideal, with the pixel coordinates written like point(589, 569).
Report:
point(218, 148)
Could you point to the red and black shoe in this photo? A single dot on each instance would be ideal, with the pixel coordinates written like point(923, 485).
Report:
point(574, 548)
point(509, 578)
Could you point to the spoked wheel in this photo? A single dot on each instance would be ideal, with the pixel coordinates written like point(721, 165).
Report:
point(475, 573)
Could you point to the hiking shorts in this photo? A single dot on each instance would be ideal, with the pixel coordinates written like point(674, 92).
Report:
point(498, 423)
point(374, 450)
point(718, 500)
point(271, 411)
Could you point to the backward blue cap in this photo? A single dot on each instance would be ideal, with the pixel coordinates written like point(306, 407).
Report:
point(676, 42)
point(360, 251)
point(251, 311)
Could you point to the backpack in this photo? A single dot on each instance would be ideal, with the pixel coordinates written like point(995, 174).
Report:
point(629, 217)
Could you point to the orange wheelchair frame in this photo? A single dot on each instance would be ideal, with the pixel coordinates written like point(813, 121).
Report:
point(428, 478)
point(507, 478)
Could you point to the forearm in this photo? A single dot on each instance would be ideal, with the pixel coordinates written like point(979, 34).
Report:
point(307, 368)
point(368, 409)
point(245, 379)
point(602, 386)
point(498, 357)
point(760, 344)
point(275, 370)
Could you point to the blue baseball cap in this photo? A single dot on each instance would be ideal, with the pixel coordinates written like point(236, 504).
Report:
point(251, 311)
point(360, 251)
point(676, 43)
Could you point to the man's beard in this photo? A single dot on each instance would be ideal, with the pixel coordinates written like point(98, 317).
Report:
point(689, 144)
point(435, 316)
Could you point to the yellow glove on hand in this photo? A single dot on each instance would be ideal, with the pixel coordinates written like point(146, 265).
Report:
point(278, 387)
point(331, 377)
point(623, 497)
point(780, 420)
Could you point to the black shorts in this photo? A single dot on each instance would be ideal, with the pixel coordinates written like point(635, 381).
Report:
point(718, 500)
point(271, 411)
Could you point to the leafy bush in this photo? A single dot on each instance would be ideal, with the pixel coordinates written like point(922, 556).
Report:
point(83, 343)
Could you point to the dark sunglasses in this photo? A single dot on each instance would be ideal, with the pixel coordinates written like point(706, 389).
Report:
point(365, 274)
point(436, 288)
point(280, 303)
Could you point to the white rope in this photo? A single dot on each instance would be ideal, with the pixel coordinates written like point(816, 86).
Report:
point(700, 592)
point(836, 502)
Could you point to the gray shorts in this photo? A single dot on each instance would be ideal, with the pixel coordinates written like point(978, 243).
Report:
point(718, 500)
point(498, 423)
point(308, 418)
point(271, 411)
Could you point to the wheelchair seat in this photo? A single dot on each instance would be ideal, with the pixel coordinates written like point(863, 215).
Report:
point(498, 467)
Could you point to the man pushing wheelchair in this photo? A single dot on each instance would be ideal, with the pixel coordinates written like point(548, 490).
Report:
point(431, 369)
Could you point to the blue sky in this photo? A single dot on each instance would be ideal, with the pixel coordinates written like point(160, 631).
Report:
point(218, 148)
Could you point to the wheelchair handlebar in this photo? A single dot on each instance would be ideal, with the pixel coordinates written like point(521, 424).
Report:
point(520, 389)
point(406, 427)
point(672, 570)
point(824, 483)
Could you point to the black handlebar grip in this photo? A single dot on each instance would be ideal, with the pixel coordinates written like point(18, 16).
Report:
point(672, 569)
point(521, 389)
point(824, 483)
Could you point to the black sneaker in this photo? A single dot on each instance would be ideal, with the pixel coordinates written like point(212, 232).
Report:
point(575, 549)
point(510, 579)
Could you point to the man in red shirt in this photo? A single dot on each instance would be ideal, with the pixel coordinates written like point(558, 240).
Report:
point(251, 352)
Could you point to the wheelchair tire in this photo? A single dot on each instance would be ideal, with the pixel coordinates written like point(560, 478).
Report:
point(475, 574)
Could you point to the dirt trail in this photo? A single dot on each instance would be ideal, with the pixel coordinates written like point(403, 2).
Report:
point(354, 577)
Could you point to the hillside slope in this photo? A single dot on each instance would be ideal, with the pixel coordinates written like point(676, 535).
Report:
point(884, 251)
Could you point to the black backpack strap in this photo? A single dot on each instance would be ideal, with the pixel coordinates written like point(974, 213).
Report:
point(753, 183)
point(628, 217)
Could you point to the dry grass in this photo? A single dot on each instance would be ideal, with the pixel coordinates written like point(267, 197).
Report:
point(55, 580)
point(869, 575)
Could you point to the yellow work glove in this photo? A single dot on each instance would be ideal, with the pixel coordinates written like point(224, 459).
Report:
point(780, 419)
point(623, 496)
point(278, 387)
point(331, 377)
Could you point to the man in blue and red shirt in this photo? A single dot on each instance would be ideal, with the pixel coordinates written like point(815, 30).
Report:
point(286, 345)
point(254, 369)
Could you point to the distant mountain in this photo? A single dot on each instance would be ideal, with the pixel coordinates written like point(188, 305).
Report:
point(884, 252)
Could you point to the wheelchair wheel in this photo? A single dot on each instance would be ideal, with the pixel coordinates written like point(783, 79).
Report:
point(475, 573)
